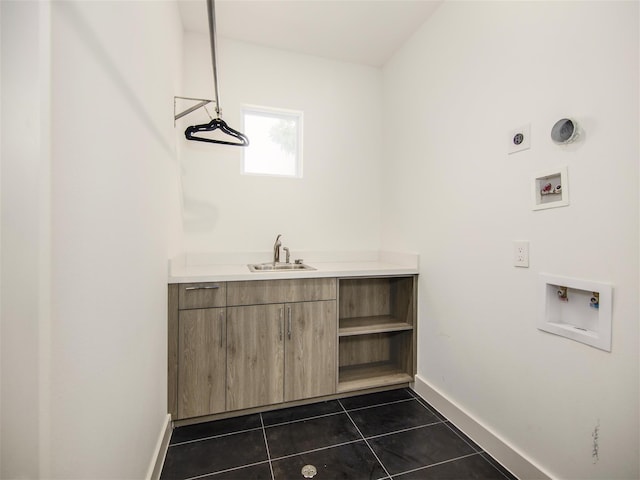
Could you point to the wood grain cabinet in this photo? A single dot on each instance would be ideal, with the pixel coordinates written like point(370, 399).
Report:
point(281, 344)
point(237, 346)
point(280, 352)
point(197, 349)
point(201, 362)
point(310, 349)
point(255, 356)
point(377, 340)
point(240, 345)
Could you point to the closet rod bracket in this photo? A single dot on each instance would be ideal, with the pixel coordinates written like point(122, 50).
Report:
point(201, 103)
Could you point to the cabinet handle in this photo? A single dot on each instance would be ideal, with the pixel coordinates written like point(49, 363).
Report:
point(281, 311)
point(289, 329)
point(212, 287)
point(221, 328)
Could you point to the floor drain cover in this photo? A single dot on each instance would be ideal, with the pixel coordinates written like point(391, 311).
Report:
point(309, 471)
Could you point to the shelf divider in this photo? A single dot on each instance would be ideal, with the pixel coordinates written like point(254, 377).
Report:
point(372, 324)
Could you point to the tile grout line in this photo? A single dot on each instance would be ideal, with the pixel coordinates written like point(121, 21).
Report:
point(340, 412)
point(438, 463)
point(380, 404)
point(213, 437)
point(495, 464)
point(448, 424)
point(266, 444)
point(426, 405)
point(365, 441)
point(304, 419)
point(408, 429)
point(291, 455)
point(226, 470)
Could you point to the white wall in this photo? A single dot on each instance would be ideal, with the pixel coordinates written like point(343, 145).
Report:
point(115, 71)
point(24, 173)
point(89, 392)
point(335, 206)
point(475, 71)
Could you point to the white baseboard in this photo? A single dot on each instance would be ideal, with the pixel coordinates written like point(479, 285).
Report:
point(507, 455)
point(159, 453)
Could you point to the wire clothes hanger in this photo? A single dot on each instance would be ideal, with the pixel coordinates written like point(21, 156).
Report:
point(215, 123)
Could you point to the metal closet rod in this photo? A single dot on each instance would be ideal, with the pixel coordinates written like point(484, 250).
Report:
point(215, 123)
point(212, 38)
point(211, 10)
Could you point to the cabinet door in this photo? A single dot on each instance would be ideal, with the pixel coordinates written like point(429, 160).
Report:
point(255, 355)
point(201, 362)
point(311, 336)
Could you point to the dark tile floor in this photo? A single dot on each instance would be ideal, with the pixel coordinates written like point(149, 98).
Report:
point(387, 435)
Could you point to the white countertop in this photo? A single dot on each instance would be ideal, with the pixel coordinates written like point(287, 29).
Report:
point(194, 269)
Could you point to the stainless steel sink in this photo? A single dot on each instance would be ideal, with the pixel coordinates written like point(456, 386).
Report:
point(278, 267)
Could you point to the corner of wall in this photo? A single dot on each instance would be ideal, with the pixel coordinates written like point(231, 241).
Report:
point(160, 451)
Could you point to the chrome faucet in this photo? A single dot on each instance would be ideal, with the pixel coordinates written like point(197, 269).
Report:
point(276, 249)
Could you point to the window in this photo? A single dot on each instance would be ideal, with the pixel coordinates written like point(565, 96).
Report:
point(275, 138)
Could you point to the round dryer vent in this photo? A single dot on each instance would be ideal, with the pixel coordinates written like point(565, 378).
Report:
point(564, 131)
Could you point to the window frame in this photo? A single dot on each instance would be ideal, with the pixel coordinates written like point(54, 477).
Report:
point(274, 112)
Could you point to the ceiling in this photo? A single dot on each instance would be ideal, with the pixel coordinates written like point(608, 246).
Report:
point(360, 31)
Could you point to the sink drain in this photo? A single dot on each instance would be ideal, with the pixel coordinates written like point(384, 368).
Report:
point(309, 471)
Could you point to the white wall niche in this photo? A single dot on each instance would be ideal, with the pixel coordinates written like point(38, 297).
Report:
point(576, 317)
point(550, 189)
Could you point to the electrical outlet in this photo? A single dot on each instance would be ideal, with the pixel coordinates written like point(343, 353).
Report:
point(520, 254)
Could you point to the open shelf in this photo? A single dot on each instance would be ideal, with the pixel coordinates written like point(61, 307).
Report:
point(372, 324)
point(376, 331)
point(370, 375)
